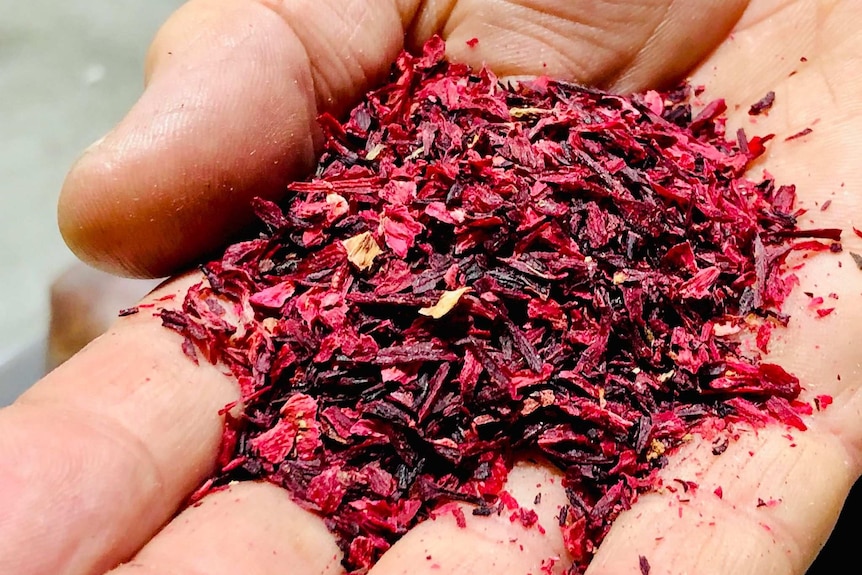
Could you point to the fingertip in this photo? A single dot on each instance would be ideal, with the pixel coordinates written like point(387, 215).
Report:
point(112, 224)
point(82, 221)
point(229, 113)
point(231, 116)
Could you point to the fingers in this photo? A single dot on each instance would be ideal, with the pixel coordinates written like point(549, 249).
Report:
point(248, 528)
point(802, 51)
point(235, 86)
point(763, 507)
point(625, 46)
point(493, 544)
point(229, 113)
point(257, 528)
point(100, 453)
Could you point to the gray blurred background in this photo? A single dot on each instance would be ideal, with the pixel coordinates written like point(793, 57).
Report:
point(68, 71)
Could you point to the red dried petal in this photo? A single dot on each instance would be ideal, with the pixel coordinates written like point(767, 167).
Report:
point(274, 296)
point(400, 229)
point(610, 262)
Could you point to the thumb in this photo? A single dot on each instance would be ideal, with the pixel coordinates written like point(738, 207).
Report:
point(233, 90)
point(235, 87)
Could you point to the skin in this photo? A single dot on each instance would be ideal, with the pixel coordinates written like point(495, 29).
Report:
point(96, 459)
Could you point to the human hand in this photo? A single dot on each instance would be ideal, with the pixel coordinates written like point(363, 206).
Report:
point(99, 454)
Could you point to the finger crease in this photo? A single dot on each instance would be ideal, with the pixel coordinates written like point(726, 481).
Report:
point(274, 7)
point(114, 431)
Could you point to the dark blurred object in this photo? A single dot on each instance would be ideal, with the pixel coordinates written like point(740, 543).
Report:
point(839, 554)
point(84, 303)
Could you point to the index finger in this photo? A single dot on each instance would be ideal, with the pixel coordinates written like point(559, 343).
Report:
point(101, 452)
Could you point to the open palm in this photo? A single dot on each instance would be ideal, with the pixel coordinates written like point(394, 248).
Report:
point(97, 458)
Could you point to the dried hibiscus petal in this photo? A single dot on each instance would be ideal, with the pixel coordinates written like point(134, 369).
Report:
point(478, 270)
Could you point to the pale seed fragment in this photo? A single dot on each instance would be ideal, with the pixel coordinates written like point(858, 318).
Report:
point(444, 305)
point(361, 250)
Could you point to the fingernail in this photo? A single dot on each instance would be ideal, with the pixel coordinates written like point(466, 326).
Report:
point(94, 145)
